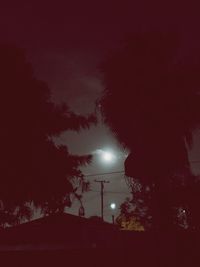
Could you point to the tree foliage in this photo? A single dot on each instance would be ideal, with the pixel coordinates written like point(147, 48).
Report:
point(151, 102)
point(129, 223)
point(33, 169)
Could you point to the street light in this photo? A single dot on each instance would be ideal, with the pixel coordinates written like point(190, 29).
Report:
point(113, 207)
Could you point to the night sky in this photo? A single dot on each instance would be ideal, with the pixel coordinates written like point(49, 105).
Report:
point(66, 42)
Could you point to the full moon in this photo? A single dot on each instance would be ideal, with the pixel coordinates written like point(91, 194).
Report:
point(107, 156)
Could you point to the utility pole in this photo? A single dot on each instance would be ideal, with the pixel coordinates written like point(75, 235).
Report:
point(102, 182)
point(113, 219)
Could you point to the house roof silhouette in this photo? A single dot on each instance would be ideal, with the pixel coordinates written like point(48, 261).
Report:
point(59, 231)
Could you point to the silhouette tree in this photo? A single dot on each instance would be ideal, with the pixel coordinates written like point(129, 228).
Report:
point(34, 171)
point(129, 219)
point(151, 102)
point(138, 208)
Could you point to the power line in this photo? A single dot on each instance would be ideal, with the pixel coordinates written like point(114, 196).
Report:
point(90, 198)
point(110, 192)
point(195, 161)
point(104, 173)
point(116, 192)
point(117, 172)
